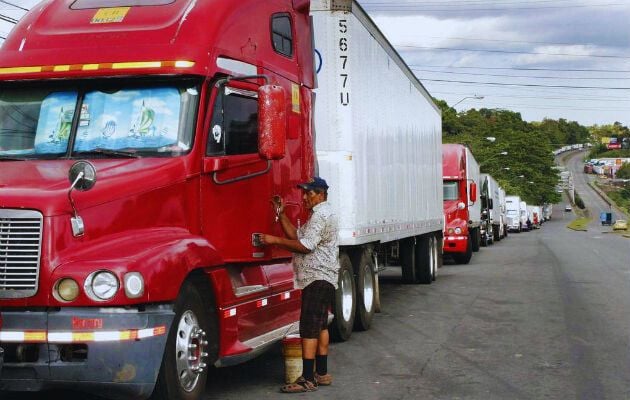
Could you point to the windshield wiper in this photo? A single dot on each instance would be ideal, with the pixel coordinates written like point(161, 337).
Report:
point(110, 152)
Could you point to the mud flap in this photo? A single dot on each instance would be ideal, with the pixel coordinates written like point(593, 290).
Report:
point(1, 360)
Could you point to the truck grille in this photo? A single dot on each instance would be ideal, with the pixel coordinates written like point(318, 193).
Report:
point(20, 247)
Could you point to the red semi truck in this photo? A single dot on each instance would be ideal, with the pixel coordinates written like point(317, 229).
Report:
point(138, 269)
point(462, 211)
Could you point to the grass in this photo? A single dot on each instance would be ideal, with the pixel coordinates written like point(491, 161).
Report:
point(579, 224)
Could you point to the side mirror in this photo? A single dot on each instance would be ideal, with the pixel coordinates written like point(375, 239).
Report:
point(473, 192)
point(490, 204)
point(272, 122)
point(82, 176)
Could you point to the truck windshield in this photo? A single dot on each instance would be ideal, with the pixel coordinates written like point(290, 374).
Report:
point(450, 190)
point(155, 120)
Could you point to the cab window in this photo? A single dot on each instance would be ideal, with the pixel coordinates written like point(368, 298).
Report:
point(234, 127)
point(282, 35)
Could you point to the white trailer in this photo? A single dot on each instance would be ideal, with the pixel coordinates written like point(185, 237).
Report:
point(473, 174)
point(547, 210)
point(494, 206)
point(503, 212)
point(378, 138)
point(513, 212)
point(524, 216)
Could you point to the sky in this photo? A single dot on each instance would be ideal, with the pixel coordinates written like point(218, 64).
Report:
point(542, 58)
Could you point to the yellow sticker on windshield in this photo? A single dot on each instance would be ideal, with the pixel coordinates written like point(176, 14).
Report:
point(110, 15)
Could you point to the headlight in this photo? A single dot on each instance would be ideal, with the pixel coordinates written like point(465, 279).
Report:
point(101, 285)
point(458, 231)
point(134, 285)
point(66, 289)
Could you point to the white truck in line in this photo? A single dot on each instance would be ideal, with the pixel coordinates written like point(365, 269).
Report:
point(513, 212)
point(495, 206)
point(525, 217)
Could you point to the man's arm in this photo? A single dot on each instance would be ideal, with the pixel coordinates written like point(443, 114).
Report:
point(293, 245)
point(287, 226)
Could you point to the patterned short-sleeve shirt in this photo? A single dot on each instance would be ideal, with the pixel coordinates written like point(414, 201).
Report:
point(319, 235)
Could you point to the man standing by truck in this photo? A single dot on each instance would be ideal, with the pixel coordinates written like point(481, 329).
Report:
point(316, 268)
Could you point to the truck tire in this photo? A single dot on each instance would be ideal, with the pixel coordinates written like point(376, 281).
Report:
point(464, 258)
point(344, 306)
point(425, 263)
point(366, 290)
point(496, 234)
point(439, 254)
point(190, 348)
point(475, 238)
point(408, 260)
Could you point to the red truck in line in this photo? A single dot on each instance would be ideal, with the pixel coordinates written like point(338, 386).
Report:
point(134, 272)
point(462, 211)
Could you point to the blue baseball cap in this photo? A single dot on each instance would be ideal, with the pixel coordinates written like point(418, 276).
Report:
point(313, 184)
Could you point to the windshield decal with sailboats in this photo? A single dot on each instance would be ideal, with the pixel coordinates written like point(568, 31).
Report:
point(145, 118)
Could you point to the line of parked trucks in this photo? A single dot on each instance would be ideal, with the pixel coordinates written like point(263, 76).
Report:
point(477, 210)
point(139, 148)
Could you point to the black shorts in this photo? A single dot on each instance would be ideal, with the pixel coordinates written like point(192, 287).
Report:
point(316, 300)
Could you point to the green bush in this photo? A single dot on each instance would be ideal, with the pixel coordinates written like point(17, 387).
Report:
point(623, 172)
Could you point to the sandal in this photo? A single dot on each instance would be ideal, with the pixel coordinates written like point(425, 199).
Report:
point(323, 380)
point(300, 385)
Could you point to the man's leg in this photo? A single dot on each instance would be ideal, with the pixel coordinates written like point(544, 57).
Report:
point(321, 359)
point(322, 343)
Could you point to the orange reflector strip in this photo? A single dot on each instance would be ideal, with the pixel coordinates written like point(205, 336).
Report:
point(20, 70)
point(34, 336)
point(100, 66)
point(79, 337)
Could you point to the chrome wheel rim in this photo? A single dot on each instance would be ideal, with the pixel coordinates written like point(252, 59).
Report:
point(368, 288)
point(346, 294)
point(190, 351)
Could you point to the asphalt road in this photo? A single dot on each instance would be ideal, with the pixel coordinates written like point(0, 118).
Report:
point(539, 315)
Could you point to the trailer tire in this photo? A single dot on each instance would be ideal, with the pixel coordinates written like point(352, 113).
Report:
point(366, 290)
point(408, 260)
point(344, 305)
point(439, 253)
point(178, 378)
point(464, 258)
point(424, 259)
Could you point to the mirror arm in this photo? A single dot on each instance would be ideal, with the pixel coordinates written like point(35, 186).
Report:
point(225, 81)
point(78, 178)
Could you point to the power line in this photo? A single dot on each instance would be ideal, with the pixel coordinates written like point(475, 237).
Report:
point(520, 96)
point(8, 19)
point(511, 52)
point(526, 68)
point(529, 85)
point(461, 2)
point(418, 8)
point(518, 76)
point(13, 5)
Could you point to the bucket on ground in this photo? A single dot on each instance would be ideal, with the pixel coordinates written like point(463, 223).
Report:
point(292, 352)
